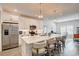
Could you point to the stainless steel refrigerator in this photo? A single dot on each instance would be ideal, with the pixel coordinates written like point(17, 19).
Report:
point(9, 35)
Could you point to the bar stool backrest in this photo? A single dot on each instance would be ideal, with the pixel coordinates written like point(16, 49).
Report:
point(38, 45)
point(51, 41)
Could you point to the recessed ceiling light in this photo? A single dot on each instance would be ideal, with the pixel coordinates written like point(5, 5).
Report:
point(15, 10)
point(41, 16)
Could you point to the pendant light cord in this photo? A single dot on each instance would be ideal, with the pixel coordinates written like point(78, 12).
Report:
point(40, 9)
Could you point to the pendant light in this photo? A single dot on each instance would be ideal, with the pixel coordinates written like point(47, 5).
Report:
point(40, 12)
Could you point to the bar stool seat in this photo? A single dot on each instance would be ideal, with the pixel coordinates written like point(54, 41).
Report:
point(39, 48)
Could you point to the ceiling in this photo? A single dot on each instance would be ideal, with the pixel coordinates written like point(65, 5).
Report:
point(48, 10)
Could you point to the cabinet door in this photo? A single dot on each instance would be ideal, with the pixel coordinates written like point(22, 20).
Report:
point(14, 35)
point(5, 36)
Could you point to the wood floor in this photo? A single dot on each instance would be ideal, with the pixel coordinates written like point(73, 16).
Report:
point(11, 52)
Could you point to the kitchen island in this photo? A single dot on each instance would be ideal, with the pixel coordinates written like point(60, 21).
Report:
point(27, 42)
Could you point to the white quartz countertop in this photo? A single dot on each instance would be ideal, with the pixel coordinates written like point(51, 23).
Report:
point(35, 39)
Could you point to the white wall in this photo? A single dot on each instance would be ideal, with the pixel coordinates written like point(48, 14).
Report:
point(24, 23)
point(0, 30)
point(50, 25)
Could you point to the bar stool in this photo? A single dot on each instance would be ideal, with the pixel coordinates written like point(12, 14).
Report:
point(39, 48)
point(58, 42)
point(63, 42)
point(50, 46)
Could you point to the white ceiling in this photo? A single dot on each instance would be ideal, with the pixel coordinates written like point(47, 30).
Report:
point(52, 10)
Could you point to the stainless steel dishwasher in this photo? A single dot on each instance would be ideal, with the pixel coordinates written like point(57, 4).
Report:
point(9, 35)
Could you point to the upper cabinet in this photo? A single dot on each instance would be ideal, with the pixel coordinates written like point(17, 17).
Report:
point(7, 17)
